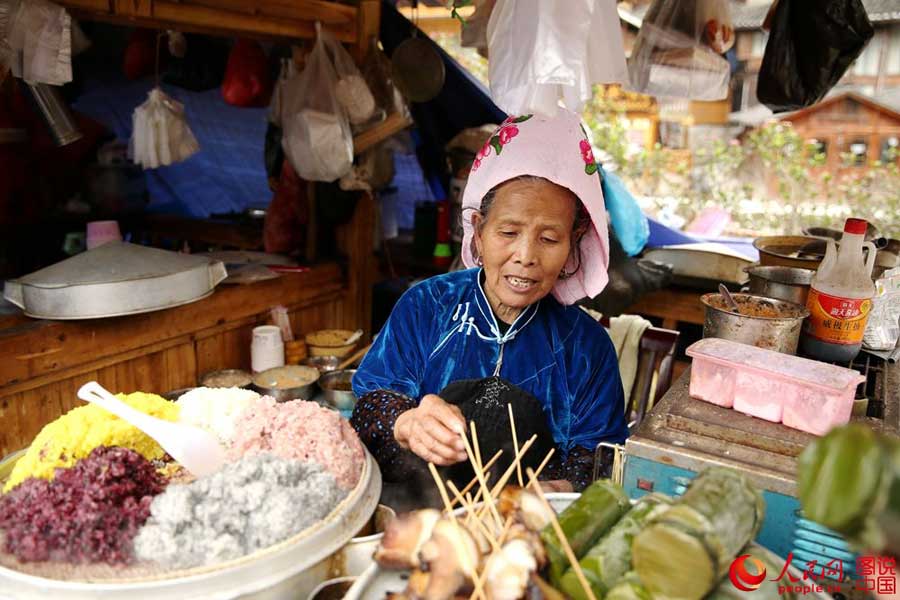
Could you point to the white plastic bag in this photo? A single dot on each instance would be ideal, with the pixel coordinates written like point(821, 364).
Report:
point(317, 138)
point(351, 90)
point(41, 34)
point(543, 52)
point(160, 134)
point(276, 104)
point(677, 50)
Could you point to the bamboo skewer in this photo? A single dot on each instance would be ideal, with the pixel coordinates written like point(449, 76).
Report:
point(471, 511)
point(442, 490)
point(474, 481)
point(563, 540)
point(473, 574)
point(536, 474)
point(495, 491)
point(489, 500)
point(512, 425)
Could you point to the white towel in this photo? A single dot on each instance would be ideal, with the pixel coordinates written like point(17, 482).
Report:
point(626, 332)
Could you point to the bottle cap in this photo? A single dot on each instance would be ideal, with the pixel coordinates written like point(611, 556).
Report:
point(856, 226)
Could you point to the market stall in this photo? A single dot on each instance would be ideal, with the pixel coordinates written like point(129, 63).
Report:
point(182, 423)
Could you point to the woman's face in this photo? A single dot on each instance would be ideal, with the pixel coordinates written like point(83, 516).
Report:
point(524, 242)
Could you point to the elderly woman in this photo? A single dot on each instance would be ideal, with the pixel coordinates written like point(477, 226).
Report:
point(462, 346)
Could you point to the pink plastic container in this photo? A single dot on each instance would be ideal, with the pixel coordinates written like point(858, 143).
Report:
point(102, 232)
point(804, 394)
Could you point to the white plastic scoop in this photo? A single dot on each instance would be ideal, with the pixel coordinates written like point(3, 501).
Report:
point(196, 450)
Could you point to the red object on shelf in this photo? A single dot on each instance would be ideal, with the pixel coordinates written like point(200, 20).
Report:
point(140, 54)
point(246, 81)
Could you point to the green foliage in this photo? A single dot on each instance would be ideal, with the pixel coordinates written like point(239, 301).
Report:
point(771, 181)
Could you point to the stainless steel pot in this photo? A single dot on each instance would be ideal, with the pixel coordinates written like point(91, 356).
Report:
point(341, 399)
point(285, 394)
point(762, 322)
point(782, 283)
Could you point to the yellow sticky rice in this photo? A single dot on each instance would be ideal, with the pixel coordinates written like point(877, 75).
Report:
point(72, 436)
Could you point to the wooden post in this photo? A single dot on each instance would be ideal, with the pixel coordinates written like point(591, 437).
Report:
point(368, 25)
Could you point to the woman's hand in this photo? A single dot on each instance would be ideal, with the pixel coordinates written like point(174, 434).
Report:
point(557, 485)
point(433, 431)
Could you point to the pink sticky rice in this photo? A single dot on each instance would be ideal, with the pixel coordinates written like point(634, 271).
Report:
point(300, 430)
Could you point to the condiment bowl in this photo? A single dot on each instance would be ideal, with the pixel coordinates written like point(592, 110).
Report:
point(336, 389)
point(323, 363)
point(269, 383)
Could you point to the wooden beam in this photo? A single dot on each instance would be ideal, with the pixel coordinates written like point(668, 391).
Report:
point(270, 19)
point(390, 126)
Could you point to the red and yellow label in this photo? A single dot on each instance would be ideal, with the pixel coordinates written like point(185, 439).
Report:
point(837, 320)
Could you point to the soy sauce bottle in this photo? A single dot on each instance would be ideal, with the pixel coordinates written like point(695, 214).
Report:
point(840, 298)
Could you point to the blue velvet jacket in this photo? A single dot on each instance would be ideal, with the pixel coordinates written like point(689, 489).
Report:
point(443, 330)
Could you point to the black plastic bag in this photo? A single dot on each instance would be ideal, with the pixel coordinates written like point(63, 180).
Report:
point(811, 45)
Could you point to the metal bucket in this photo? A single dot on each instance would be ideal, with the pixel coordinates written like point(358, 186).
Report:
point(763, 322)
point(783, 283)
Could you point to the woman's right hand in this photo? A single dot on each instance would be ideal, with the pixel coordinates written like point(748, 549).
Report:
point(433, 431)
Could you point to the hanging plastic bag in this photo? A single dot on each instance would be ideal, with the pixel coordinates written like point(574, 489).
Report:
point(317, 138)
point(543, 52)
point(677, 51)
point(160, 135)
point(246, 80)
point(41, 33)
point(811, 45)
point(625, 215)
point(351, 89)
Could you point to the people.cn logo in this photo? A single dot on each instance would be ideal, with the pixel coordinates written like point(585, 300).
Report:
point(743, 579)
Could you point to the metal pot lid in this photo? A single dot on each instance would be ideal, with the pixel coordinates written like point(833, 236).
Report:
point(112, 280)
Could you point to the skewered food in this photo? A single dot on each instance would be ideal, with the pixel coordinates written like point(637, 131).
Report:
point(403, 539)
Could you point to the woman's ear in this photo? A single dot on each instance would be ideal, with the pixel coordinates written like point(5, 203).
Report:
point(477, 220)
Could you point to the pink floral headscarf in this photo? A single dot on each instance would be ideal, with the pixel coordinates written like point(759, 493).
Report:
point(556, 149)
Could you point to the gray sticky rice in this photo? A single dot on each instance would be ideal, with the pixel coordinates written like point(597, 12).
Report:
point(251, 504)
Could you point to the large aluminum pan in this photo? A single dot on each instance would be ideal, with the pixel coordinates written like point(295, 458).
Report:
point(112, 280)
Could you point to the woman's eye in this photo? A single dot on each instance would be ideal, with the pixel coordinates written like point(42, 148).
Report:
point(508, 233)
point(550, 240)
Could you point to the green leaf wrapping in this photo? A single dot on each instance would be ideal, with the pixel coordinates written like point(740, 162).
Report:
point(849, 481)
point(684, 552)
point(608, 560)
point(629, 587)
point(583, 522)
point(768, 589)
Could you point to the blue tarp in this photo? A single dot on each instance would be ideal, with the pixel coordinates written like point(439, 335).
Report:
point(227, 175)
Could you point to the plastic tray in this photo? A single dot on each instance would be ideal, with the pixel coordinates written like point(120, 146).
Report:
point(803, 394)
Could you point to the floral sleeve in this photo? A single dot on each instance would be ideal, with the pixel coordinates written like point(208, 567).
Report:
point(373, 419)
point(577, 468)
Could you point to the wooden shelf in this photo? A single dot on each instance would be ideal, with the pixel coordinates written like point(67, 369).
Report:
point(390, 126)
point(282, 19)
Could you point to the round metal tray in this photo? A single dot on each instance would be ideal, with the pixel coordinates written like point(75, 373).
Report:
point(376, 583)
point(291, 568)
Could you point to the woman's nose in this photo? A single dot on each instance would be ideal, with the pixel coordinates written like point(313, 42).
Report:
point(525, 253)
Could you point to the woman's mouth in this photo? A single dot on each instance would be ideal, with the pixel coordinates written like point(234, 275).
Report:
point(520, 284)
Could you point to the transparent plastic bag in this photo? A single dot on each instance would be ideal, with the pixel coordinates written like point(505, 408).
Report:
point(677, 51)
point(543, 52)
point(351, 89)
point(317, 138)
point(161, 135)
